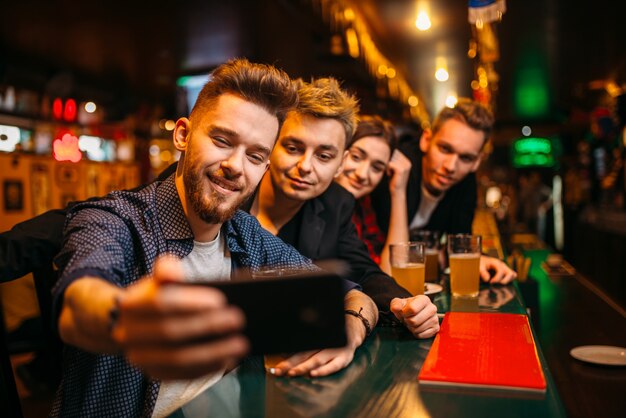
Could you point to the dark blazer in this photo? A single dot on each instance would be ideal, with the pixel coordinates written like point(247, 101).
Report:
point(327, 232)
point(454, 213)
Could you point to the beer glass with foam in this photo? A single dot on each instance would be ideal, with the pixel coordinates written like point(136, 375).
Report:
point(464, 256)
point(407, 265)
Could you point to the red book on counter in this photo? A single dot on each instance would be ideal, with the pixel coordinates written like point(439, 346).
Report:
point(484, 350)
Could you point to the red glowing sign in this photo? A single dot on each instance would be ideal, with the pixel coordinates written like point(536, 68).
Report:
point(66, 149)
point(69, 113)
point(57, 108)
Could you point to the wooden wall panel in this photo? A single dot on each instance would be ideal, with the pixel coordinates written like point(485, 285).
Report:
point(30, 185)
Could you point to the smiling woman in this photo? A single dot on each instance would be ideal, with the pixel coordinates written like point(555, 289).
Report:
point(371, 154)
point(372, 145)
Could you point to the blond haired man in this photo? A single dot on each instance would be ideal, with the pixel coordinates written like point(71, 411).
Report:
point(300, 203)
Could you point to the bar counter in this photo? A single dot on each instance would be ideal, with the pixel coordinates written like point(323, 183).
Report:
point(575, 311)
point(380, 382)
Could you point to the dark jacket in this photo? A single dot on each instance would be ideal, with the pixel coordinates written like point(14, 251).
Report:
point(31, 245)
point(327, 232)
point(454, 213)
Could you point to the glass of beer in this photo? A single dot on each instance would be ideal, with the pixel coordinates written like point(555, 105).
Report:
point(464, 256)
point(407, 265)
point(431, 243)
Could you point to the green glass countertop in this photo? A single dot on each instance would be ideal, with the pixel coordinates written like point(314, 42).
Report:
point(380, 382)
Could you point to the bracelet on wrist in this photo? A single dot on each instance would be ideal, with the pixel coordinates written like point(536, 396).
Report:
point(366, 323)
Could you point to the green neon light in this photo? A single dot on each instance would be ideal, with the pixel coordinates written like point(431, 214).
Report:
point(533, 145)
point(182, 81)
point(531, 94)
point(531, 89)
point(533, 160)
point(192, 81)
point(535, 152)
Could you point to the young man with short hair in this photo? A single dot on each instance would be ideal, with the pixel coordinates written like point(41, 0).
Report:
point(127, 318)
point(300, 203)
point(441, 191)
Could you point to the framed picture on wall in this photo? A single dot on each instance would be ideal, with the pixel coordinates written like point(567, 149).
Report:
point(40, 188)
point(67, 174)
point(13, 192)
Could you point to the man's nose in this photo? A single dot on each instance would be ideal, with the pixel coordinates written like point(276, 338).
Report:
point(451, 162)
point(305, 163)
point(233, 165)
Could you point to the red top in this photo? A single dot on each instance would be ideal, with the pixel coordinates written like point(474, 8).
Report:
point(364, 219)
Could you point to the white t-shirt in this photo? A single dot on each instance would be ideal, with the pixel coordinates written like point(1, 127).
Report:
point(207, 261)
point(428, 203)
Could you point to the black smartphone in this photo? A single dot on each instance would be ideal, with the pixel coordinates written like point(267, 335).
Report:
point(287, 314)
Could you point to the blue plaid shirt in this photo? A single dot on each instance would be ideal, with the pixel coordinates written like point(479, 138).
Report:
point(118, 238)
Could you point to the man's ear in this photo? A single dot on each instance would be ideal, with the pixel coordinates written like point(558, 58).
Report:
point(343, 162)
point(425, 140)
point(181, 134)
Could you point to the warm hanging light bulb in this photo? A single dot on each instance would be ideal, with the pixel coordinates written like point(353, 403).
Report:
point(423, 21)
point(441, 74)
point(451, 100)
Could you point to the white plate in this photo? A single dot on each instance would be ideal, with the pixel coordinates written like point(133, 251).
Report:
point(600, 354)
point(432, 289)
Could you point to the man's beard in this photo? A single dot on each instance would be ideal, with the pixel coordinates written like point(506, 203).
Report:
point(207, 205)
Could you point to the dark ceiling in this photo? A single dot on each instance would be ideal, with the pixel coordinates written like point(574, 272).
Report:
point(128, 52)
point(415, 52)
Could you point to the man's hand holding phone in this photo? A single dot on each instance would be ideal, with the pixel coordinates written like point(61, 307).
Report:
point(172, 330)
